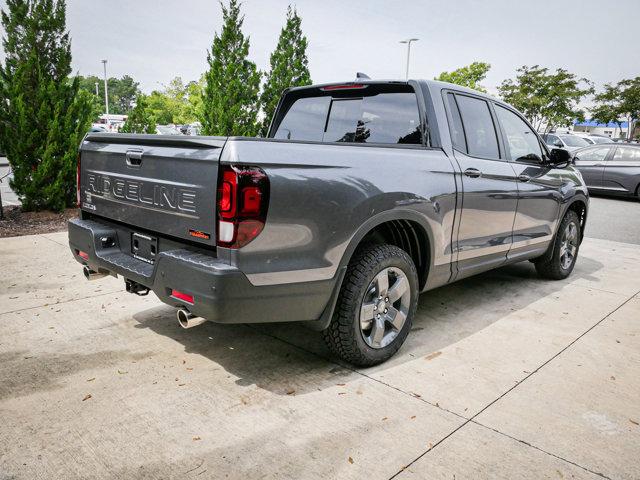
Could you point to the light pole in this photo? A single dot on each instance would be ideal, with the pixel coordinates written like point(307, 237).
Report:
point(106, 93)
point(408, 42)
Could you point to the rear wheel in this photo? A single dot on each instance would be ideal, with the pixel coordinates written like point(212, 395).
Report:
point(560, 263)
point(375, 308)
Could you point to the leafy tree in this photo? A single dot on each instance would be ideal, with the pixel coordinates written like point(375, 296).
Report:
point(546, 99)
point(122, 93)
point(289, 66)
point(230, 103)
point(140, 119)
point(161, 107)
point(468, 76)
point(43, 115)
point(617, 102)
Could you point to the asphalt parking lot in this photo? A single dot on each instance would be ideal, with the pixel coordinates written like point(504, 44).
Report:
point(503, 376)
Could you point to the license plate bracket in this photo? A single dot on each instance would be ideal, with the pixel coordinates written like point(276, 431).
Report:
point(144, 247)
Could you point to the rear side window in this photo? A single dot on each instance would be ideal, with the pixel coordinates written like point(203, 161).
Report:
point(361, 117)
point(627, 154)
point(479, 130)
point(457, 132)
point(305, 120)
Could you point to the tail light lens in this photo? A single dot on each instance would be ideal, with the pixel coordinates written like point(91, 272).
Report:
point(243, 199)
point(78, 182)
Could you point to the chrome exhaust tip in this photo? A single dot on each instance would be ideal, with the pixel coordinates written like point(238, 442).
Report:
point(92, 274)
point(186, 319)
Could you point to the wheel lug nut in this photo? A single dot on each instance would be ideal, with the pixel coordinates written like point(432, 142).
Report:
point(386, 299)
point(375, 307)
point(385, 310)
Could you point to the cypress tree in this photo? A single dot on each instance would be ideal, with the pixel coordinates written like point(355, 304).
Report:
point(230, 102)
point(140, 119)
point(43, 116)
point(289, 66)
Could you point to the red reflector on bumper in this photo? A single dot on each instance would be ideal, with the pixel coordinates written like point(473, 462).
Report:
point(83, 255)
point(182, 296)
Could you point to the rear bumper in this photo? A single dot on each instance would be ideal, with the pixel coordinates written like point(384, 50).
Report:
point(221, 292)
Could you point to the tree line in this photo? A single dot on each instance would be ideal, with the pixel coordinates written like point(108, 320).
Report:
point(45, 110)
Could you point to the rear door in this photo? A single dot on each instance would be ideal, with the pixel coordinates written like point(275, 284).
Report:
point(490, 194)
point(622, 170)
point(591, 162)
point(155, 184)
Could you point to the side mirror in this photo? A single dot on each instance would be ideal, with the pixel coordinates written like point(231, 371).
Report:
point(559, 158)
point(558, 143)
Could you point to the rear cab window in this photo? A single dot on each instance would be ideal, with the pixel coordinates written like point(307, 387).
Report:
point(372, 113)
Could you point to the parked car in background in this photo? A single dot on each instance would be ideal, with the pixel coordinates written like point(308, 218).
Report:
point(98, 129)
point(167, 130)
point(613, 169)
point(362, 196)
point(568, 142)
point(593, 139)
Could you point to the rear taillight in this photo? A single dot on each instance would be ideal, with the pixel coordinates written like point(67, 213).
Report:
point(78, 182)
point(243, 199)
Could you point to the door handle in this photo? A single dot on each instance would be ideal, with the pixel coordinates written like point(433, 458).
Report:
point(524, 177)
point(472, 172)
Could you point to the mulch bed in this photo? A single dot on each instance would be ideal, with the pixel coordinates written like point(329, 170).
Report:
point(17, 223)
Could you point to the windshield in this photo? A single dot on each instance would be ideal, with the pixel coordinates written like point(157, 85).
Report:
point(573, 141)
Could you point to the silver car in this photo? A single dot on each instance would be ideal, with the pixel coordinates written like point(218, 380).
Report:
point(610, 168)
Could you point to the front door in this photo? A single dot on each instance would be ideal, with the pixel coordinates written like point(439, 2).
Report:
point(539, 186)
point(488, 186)
point(591, 162)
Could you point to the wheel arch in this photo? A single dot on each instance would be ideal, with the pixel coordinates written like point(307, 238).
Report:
point(404, 228)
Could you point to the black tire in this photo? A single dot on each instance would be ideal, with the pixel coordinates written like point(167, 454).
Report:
point(551, 266)
point(344, 336)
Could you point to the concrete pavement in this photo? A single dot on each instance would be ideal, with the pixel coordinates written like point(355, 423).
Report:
point(503, 376)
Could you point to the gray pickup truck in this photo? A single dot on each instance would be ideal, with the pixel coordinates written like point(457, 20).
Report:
point(363, 195)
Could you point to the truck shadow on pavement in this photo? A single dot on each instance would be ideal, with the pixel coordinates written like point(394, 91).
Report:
point(288, 358)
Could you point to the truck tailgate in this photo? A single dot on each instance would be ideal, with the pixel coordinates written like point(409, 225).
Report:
point(164, 184)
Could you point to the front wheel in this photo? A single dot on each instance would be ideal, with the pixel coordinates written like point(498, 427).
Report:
point(376, 305)
point(560, 263)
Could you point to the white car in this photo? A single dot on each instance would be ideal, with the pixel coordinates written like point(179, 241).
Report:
point(568, 142)
point(593, 139)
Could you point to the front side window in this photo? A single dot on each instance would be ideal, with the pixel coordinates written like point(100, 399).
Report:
point(627, 154)
point(552, 140)
point(479, 130)
point(521, 139)
point(592, 155)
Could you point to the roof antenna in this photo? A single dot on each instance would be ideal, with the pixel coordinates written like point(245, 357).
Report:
point(363, 76)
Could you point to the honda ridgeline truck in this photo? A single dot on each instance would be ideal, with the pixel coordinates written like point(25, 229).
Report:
point(363, 195)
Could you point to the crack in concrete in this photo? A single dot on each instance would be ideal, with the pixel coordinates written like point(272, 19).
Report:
point(60, 302)
point(471, 420)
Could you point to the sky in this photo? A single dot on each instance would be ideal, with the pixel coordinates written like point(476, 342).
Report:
point(156, 40)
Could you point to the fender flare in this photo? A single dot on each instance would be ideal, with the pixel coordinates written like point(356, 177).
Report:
point(398, 214)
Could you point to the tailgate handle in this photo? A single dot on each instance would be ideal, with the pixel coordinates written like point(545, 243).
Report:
point(134, 158)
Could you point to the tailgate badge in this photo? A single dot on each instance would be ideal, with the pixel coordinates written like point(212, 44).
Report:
point(199, 234)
